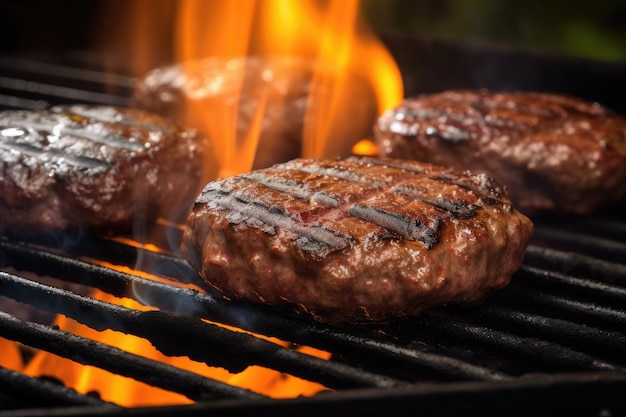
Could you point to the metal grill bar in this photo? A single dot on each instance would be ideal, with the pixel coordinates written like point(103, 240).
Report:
point(72, 75)
point(34, 259)
point(575, 263)
point(382, 354)
point(29, 392)
point(600, 292)
point(177, 335)
point(606, 224)
point(31, 84)
point(539, 396)
point(59, 94)
point(547, 354)
point(586, 312)
point(89, 352)
point(602, 248)
point(602, 343)
point(439, 330)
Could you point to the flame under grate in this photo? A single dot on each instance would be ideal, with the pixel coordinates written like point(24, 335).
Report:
point(557, 327)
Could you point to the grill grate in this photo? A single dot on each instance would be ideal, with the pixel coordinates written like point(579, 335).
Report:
point(35, 84)
point(520, 331)
point(557, 327)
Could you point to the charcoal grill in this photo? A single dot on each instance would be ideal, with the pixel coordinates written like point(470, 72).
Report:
point(553, 342)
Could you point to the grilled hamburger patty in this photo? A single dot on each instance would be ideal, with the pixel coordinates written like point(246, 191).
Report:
point(97, 168)
point(552, 152)
point(356, 239)
point(202, 93)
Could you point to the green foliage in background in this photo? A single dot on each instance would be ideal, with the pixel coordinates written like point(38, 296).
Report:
point(587, 28)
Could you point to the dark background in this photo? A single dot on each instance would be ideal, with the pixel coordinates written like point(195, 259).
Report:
point(576, 47)
point(585, 28)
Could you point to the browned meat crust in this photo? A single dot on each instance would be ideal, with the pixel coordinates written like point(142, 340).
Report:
point(551, 151)
point(356, 239)
point(96, 168)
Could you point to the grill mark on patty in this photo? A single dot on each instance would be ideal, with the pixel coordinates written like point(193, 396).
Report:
point(486, 191)
point(519, 106)
point(386, 164)
point(106, 138)
point(109, 115)
point(293, 188)
point(543, 105)
point(453, 123)
point(518, 103)
point(447, 125)
point(55, 156)
point(251, 210)
point(343, 174)
point(464, 116)
point(412, 229)
point(456, 208)
point(278, 218)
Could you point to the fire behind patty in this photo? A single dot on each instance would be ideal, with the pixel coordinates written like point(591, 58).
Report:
point(356, 239)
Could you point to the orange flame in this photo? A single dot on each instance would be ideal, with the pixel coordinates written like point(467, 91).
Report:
point(11, 358)
point(131, 393)
point(354, 78)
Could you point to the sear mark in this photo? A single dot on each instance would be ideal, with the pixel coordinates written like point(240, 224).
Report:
point(54, 156)
point(412, 229)
point(111, 115)
point(108, 138)
point(293, 188)
point(456, 208)
point(386, 164)
point(308, 237)
point(343, 174)
point(485, 188)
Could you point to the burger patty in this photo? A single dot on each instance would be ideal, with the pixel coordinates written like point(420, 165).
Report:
point(552, 152)
point(95, 168)
point(356, 239)
point(283, 91)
